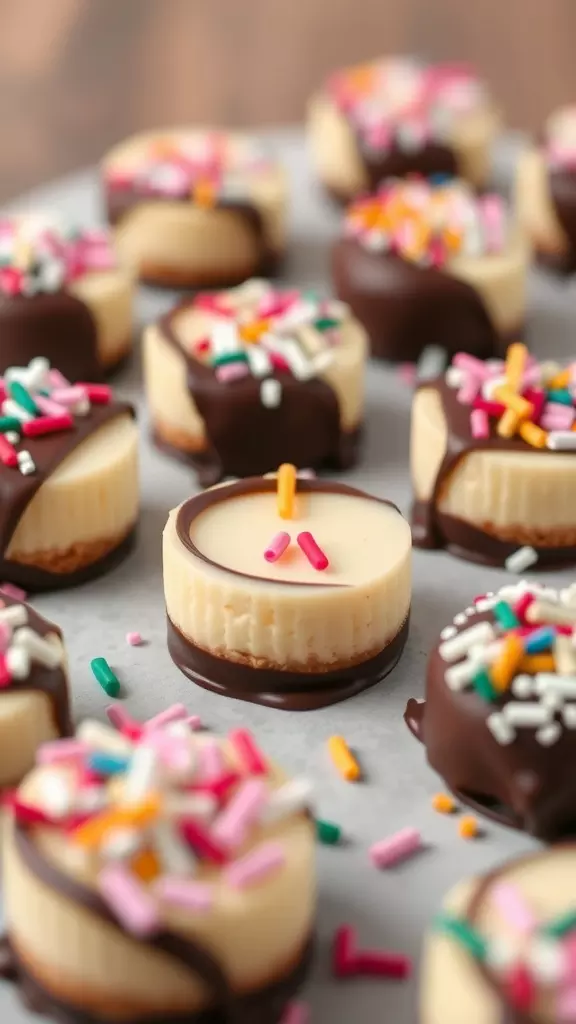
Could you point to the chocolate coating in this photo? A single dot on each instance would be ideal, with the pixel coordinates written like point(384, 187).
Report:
point(405, 308)
point(17, 491)
point(245, 438)
point(56, 325)
point(394, 162)
point(264, 1006)
point(523, 784)
point(289, 691)
point(433, 529)
point(563, 195)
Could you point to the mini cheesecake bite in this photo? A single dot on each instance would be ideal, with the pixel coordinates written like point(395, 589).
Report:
point(34, 695)
point(393, 117)
point(194, 208)
point(431, 264)
point(241, 381)
point(151, 873)
point(68, 478)
point(545, 191)
point(63, 297)
point(499, 716)
point(288, 592)
point(493, 455)
point(502, 947)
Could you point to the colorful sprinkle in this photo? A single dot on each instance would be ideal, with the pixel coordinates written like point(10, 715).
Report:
point(328, 833)
point(343, 759)
point(277, 546)
point(286, 490)
point(313, 551)
point(104, 675)
point(391, 851)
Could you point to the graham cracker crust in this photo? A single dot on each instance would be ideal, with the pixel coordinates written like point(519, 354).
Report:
point(178, 438)
point(74, 558)
point(538, 537)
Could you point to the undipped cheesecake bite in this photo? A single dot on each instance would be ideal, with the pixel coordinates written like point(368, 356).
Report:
point(151, 873)
point(395, 116)
point(241, 381)
point(424, 263)
point(195, 208)
point(493, 459)
point(68, 478)
point(289, 592)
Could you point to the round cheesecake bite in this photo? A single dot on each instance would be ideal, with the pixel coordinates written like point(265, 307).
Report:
point(68, 478)
point(195, 208)
point(62, 297)
point(34, 696)
point(423, 264)
point(395, 116)
point(546, 192)
point(502, 949)
point(244, 380)
point(293, 593)
point(155, 874)
point(498, 722)
point(493, 459)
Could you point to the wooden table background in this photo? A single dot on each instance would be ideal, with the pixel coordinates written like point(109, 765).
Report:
point(76, 75)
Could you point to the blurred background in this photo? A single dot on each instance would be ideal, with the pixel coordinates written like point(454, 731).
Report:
point(77, 75)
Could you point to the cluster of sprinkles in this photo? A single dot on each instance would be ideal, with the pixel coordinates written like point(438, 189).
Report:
point(427, 222)
point(258, 330)
point(522, 661)
point(206, 168)
point(399, 103)
point(21, 646)
point(38, 256)
point(286, 486)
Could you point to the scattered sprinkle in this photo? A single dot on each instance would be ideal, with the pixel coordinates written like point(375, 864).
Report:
point(134, 639)
point(468, 827)
point(444, 803)
point(343, 759)
point(104, 675)
point(328, 833)
point(391, 851)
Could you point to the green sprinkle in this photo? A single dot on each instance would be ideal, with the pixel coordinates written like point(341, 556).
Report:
point(105, 676)
point(327, 832)
point(505, 615)
point(24, 399)
point(562, 395)
point(464, 933)
point(326, 323)
point(562, 925)
point(9, 423)
point(483, 686)
point(230, 357)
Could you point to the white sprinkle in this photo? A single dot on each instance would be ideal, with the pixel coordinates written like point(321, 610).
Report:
point(299, 314)
point(568, 595)
point(569, 716)
point(38, 369)
point(458, 676)
point(336, 309)
point(258, 360)
point(485, 654)
point(121, 843)
point(271, 393)
point(454, 377)
point(544, 611)
point(552, 700)
point(300, 365)
point(431, 363)
point(11, 408)
point(12, 437)
point(224, 337)
point(456, 647)
point(526, 713)
point(56, 794)
point(485, 604)
point(27, 467)
point(546, 958)
point(470, 610)
point(46, 652)
point(18, 662)
point(448, 632)
point(521, 560)
point(550, 734)
point(376, 241)
point(546, 682)
point(501, 953)
point(561, 440)
point(460, 619)
point(101, 738)
point(198, 805)
point(523, 686)
point(290, 798)
point(176, 857)
point(501, 730)
point(14, 615)
point(140, 775)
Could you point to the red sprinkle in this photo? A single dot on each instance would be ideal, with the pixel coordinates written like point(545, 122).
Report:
point(218, 787)
point(252, 760)
point(537, 398)
point(8, 454)
point(343, 955)
point(47, 425)
point(202, 842)
point(521, 606)
point(99, 394)
point(26, 813)
point(313, 551)
point(203, 345)
point(10, 281)
point(492, 408)
point(278, 362)
point(380, 964)
point(520, 987)
point(5, 676)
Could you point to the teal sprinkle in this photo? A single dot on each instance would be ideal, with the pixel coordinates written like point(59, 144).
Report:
point(23, 397)
point(562, 925)
point(328, 832)
point(105, 676)
point(483, 686)
point(505, 615)
point(562, 395)
point(9, 423)
point(464, 933)
point(107, 764)
point(230, 357)
point(325, 323)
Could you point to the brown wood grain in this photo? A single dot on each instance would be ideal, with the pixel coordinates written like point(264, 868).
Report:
point(75, 75)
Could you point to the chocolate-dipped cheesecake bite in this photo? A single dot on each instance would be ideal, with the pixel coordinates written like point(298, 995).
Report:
point(195, 209)
point(34, 694)
point(423, 264)
point(394, 117)
point(499, 713)
point(545, 190)
point(155, 874)
point(62, 297)
point(289, 592)
point(241, 381)
point(493, 455)
point(68, 478)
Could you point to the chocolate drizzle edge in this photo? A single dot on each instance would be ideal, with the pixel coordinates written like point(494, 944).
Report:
point(434, 529)
point(263, 1006)
point(394, 162)
point(57, 325)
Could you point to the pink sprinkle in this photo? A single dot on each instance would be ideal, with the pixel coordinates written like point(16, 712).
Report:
point(407, 373)
point(479, 424)
point(243, 811)
point(98, 394)
point(393, 850)
point(71, 395)
point(57, 379)
point(4, 391)
point(5, 676)
point(313, 552)
point(194, 722)
point(278, 362)
point(172, 714)
point(121, 720)
point(556, 416)
point(191, 895)
point(569, 960)
point(128, 900)
point(343, 951)
point(469, 390)
point(61, 750)
point(12, 591)
point(493, 212)
point(296, 1012)
point(47, 425)
point(566, 1005)
point(202, 842)
point(464, 361)
point(134, 639)
point(211, 760)
point(218, 787)
point(5, 636)
point(50, 408)
point(511, 905)
point(255, 865)
point(277, 546)
point(247, 751)
point(520, 987)
point(231, 371)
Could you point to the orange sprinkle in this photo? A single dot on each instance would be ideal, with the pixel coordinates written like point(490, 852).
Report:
point(468, 827)
point(361, 78)
point(146, 865)
point(204, 193)
point(253, 331)
point(533, 663)
point(164, 149)
point(344, 761)
point(516, 357)
point(513, 401)
point(504, 668)
point(93, 831)
point(286, 490)
point(452, 239)
point(443, 803)
point(533, 434)
point(560, 380)
point(508, 424)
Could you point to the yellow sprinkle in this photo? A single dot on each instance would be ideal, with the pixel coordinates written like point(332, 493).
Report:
point(443, 803)
point(254, 330)
point(204, 193)
point(511, 400)
point(534, 663)
point(343, 759)
point(146, 865)
point(468, 827)
point(516, 357)
point(533, 434)
point(286, 490)
point(560, 380)
point(504, 668)
point(94, 830)
point(508, 424)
